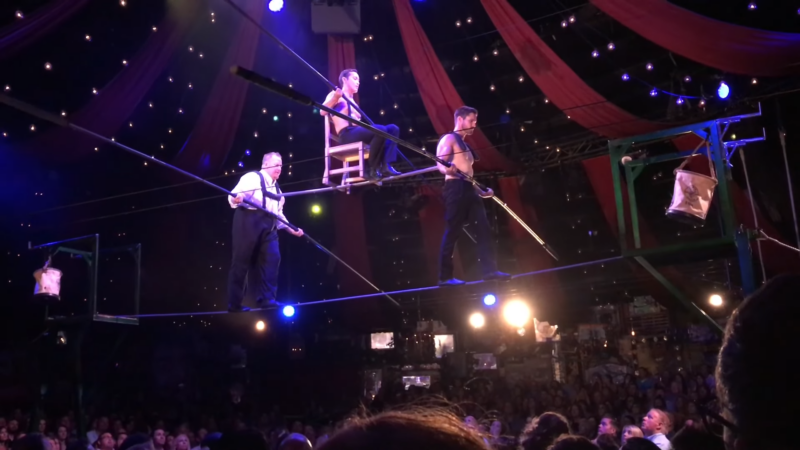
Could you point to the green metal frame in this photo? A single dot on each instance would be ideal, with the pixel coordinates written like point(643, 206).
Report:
point(733, 234)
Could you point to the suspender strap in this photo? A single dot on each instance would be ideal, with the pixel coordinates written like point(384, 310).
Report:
point(263, 190)
point(463, 145)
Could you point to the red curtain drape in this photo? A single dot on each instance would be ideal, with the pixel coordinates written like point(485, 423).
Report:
point(437, 91)
point(728, 47)
point(348, 219)
point(441, 99)
point(32, 28)
point(215, 130)
point(115, 102)
point(558, 82)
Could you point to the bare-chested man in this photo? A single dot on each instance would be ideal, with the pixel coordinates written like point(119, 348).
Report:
point(462, 200)
point(382, 152)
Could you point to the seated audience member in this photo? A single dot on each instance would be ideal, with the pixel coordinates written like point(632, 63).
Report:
point(241, 440)
point(606, 442)
point(33, 441)
point(543, 431)
point(412, 430)
point(655, 426)
point(294, 441)
point(638, 443)
point(567, 442)
point(136, 440)
point(631, 431)
point(757, 383)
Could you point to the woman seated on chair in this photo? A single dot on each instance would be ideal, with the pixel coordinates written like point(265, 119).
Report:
point(382, 152)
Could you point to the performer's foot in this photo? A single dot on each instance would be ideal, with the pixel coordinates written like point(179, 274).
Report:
point(238, 309)
point(390, 171)
point(496, 275)
point(451, 282)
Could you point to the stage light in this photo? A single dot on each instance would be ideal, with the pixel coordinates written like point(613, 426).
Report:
point(260, 325)
point(595, 53)
point(723, 91)
point(316, 209)
point(275, 5)
point(477, 320)
point(489, 299)
point(247, 152)
point(516, 313)
point(288, 310)
point(274, 118)
point(241, 164)
point(625, 77)
point(653, 92)
point(715, 300)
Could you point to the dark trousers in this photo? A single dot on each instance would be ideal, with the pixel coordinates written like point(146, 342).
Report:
point(462, 206)
point(381, 151)
point(256, 257)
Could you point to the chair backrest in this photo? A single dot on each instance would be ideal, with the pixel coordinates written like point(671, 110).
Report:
point(330, 135)
point(327, 133)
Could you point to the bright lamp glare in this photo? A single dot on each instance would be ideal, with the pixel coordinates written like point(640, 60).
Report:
point(260, 325)
point(723, 90)
point(288, 311)
point(715, 300)
point(489, 299)
point(477, 320)
point(516, 313)
point(316, 209)
point(275, 5)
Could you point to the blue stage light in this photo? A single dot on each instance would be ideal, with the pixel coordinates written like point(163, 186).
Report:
point(241, 164)
point(275, 5)
point(288, 310)
point(723, 91)
point(489, 299)
point(247, 152)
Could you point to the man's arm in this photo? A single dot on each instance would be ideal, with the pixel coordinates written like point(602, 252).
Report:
point(332, 101)
point(248, 184)
point(445, 151)
point(283, 226)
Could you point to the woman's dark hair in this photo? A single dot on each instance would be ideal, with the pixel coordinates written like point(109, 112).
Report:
point(543, 431)
point(568, 442)
point(693, 439)
point(637, 443)
point(758, 388)
point(404, 430)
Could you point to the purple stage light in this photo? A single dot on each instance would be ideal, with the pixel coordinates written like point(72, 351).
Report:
point(275, 5)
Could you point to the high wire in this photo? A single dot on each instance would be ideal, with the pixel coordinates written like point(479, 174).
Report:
point(44, 115)
point(364, 296)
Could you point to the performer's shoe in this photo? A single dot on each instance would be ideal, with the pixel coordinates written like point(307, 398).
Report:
point(238, 309)
point(373, 174)
point(266, 303)
point(452, 282)
point(496, 275)
point(389, 171)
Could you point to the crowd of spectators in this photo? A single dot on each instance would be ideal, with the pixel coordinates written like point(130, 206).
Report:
point(751, 398)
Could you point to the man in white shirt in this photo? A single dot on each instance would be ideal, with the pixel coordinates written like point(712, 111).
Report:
point(256, 253)
point(655, 426)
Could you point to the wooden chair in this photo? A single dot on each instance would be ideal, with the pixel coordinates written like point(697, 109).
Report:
point(357, 152)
